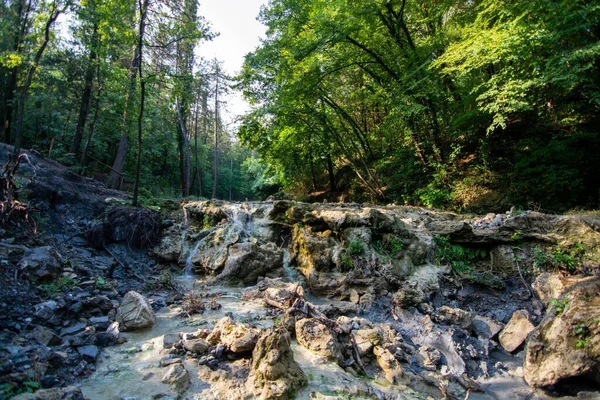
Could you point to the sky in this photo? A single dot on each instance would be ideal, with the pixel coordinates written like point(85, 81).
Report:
point(239, 33)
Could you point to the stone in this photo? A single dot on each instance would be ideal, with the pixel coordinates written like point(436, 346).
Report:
point(283, 297)
point(135, 312)
point(239, 339)
point(46, 311)
point(455, 316)
point(274, 374)
point(214, 337)
point(485, 327)
point(57, 359)
point(169, 360)
point(197, 346)
point(90, 352)
point(247, 261)
point(105, 339)
point(366, 339)
point(45, 336)
point(66, 393)
point(429, 357)
point(178, 377)
point(100, 322)
point(169, 340)
point(354, 296)
point(170, 245)
point(388, 363)
point(41, 264)
point(548, 286)
point(318, 338)
point(100, 302)
point(418, 287)
point(516, 331)
point(73, 329)
point(566, 344)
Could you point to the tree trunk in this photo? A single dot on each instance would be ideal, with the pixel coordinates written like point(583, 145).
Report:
point(331, 173)
point(184, 152)
point(143, 12)
point(84, 108)
point(216, 137)
point(54, 13)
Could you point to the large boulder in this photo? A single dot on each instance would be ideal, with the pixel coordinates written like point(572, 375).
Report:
point(318, 338)
point(566, 344)
point(178, 377)
point(516, 331)
point(41, 264)
point(283, 297)
point(66, 393)
point(274, 373)
point(247, 261)
point(239, 339)
point(170, 245)
point(135, 312)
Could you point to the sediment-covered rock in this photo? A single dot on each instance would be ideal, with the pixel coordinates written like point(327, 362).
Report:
point(566, 344)
point(135, 312)
point(516, 331)
point(318, 337)
point(41, 264)
point(274, 373)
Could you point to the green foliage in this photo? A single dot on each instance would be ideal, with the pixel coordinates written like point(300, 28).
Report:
point(206, 221)
point(560, 304)
point(53, 288)
point(459, 258)
point(517, 235)
point(356, 247)
point(8, 390)
point(346, 261)
point(569, 259)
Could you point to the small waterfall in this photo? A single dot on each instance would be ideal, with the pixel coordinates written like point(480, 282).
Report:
point(240, 219)
point(291, 273)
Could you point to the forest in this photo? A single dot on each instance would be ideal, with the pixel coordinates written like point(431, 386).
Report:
point(458, 104)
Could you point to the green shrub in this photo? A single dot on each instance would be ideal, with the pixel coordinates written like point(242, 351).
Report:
point(459, 258)
point(356, 246)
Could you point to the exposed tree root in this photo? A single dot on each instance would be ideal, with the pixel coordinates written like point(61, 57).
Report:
point(13, 211)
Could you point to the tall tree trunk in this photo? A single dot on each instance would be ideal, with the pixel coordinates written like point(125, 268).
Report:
point(143, 12)
point(115, 177)
point(92, 125)
point(215, 133)
point(84, 108)
point(184, 152)
point(197, 171)
point(54, 13)
point(331, 173)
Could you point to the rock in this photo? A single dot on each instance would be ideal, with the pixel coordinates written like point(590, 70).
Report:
point(247, 261)
point(429, 357)
point(169, 360)
point(89, 352)
point(566, 343)
point(170, 245)
point(57, 359)
point(41, 264)
point(366, 339)
point(66, 393)
point(215, 336)
point(317, 337)
point(45, 336)
point(388, 363)
point(548, 286)
point(73, 329)
point(135, 312)
point(105, 339)
point(455, 316)
point(516, 331)
point(197, 346)
point(354, 296)
point(417, 288)
point(46, 311)
point(283, 297)
point(169, 340)
point(178, 377)
point(485, 327)
point(239, 339)
point(100, 322)
point(274, 373)
point(100, 302)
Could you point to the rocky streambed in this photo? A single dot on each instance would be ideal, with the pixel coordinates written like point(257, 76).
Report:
point(292, 300)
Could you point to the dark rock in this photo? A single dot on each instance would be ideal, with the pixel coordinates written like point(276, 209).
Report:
point(73, 329)
point(41, 264)
point(170, 339)
point(45, 336)
point(89, 352)
point(57, 359)
point(100, 322)
point(105, 339)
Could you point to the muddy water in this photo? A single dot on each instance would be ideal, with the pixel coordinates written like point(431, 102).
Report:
point(131, 370)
